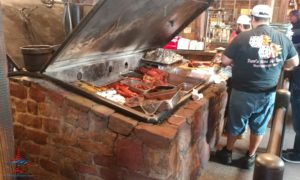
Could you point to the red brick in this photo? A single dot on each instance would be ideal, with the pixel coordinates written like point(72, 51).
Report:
point(83, 121)
point(25, 81)
point(196, 105)
point(97, 123)
point(84, 169)
point(106, 137)
point(21, 106)
point(79, 133)
point(18, 90)
point(32, 158)
point(36, 136)
point(161, 162)
point(13, 101)
point(50, 111)
point(199, 124)
point(102, 111)
point(217, 105)
point(155, 136)
point(68, 136)
point(31, 148)
point(78, 102)
point(47, 150)
point(103, 160)
point(184, 138)
point(68, 170)
point(51, 125)
point(55, 97)
point(14, 114)
point(135, 176)
point(185, 113)
point(121, 124)
point(89, 177)
point(32, 107)
point(49, 165)
point(19, 131)
point(56, 155)
point(94, 147)
point(111, 173)
point(71, 116)
point(177, 121)
point(129, 153)
point(37, 94)
point(77, 155)
point(29, 120)
point(204, 152)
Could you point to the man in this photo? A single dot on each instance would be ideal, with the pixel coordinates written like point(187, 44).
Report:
point(242, 24)
point(293, 155)
point(257, 57)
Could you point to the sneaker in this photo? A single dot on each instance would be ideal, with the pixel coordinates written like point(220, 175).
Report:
point(224, 156)
point(291, 157)
point(247, 162)
point(288, 150)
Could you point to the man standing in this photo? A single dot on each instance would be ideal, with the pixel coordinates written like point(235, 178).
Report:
point(293, 155)
point(242, 24)
point(257, 57)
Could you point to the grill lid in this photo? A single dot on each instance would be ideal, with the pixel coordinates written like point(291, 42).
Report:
point(120, 27)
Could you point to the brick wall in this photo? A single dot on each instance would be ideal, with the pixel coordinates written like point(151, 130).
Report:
point(66, 136)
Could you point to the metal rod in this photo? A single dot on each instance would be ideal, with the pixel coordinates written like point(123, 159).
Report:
point(274, 145)
point(6, 125)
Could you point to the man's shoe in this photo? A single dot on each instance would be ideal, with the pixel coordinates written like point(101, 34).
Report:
point(224, 156)
point(291, 157)
point(288, 150)
point(247, 162)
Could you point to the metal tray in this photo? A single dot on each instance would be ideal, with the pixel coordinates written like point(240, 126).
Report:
point(160, 62)
point(162, 92)
point(133, 83)
point(186, 87)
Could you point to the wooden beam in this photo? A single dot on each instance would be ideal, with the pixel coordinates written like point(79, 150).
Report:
point(282, 11)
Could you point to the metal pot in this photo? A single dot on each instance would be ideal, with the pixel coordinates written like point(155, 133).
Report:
point(36, 56)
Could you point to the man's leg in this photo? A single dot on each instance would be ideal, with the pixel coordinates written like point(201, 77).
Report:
point(235, 125)
point(293, 155)
point(230, 141)
point(254, 143)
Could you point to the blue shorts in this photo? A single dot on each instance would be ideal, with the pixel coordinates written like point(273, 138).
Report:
point(254, 109)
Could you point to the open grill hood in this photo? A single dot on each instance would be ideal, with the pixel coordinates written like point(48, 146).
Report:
point(118, 29)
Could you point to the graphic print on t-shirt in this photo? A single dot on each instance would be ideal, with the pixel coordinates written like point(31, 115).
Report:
point(267, 51)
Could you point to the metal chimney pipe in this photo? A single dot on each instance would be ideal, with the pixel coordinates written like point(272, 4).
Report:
point(6, 127)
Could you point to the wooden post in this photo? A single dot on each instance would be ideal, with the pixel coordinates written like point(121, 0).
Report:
point(282, 11)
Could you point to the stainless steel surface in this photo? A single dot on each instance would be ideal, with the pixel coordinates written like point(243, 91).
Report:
point(98, 71)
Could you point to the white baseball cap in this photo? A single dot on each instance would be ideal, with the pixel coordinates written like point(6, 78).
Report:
point(243, 19)
point(262, 10)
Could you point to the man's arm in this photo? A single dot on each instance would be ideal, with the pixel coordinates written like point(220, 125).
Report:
point(226, 61)
point(291, 63)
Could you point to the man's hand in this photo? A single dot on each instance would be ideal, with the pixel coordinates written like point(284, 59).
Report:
point(226, 61)
point(291, 63)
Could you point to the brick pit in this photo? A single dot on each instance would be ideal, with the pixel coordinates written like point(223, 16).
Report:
point(67, 136)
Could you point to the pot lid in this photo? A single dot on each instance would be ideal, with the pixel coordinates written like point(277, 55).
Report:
point(123, 27)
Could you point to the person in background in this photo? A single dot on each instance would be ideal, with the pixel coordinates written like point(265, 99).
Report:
point(293, 155)
point(257, 57)
point(242, 24)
